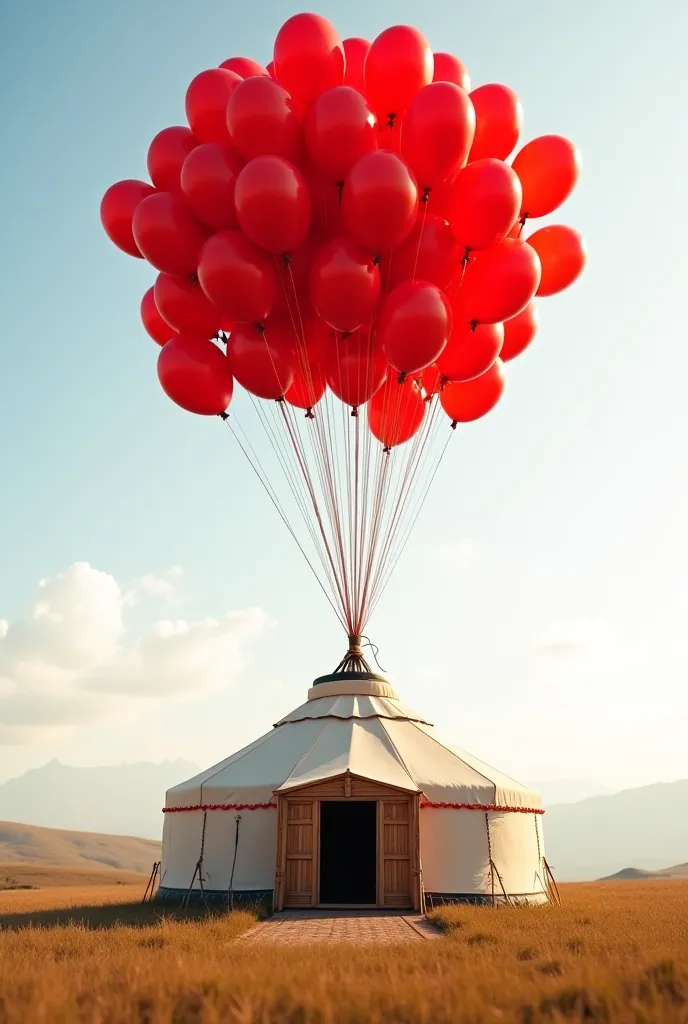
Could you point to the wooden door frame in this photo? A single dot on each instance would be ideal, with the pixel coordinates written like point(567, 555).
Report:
point(348, 787)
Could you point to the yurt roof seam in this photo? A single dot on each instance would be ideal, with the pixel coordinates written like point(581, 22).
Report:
point(222, 766)
point(306, 751)
point(456, 754)
point(348, 718)
point(469, 758)
point(399, 757)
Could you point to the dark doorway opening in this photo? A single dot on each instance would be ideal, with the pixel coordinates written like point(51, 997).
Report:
point(348, 851)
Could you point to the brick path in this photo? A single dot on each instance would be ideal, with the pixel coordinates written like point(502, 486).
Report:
point(304, 927)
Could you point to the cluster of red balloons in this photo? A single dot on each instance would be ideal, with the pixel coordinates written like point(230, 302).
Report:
point(347, 218)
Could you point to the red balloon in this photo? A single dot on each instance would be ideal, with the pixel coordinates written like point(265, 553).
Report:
point(167, 234)
point(355, 53)
point(237, 277)
point(500, 281)
point(308, 387)
point(562, 255)
point(159, 330)
point(319, 338)
point(293, 300)
point(379, 201)
point(484, 203)
point(448, 68)
point(396, 411)
point(117, 209)
point(399, 63)
point(185, 308)
point(195, 374)
point(344, 284)
point(548, 168)
point(273, 203)
point(262, 118)
point(263, 360)
point(309, 56)
point(519, 332)
point(326, 202)
point(166, 155)
point(470, 350)
point(207, 179)
point(355, 368)
point(414, 325)
point(467, 401)
point(431, 380)
point(438, 130)
point(340, 128)
point(429, 253)
point(498, 121)
point(244, 67)
point(390, 137)
point(206, 103)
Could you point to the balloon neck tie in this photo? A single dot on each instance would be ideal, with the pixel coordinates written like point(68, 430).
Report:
point(345, 334)
point(522, 222)
point(426, 194)
point(454, 424)
point(260, 327)
point(473, 324)
point(386, 450)
point(443, 383)
point(223, 415)
point(391, 120)
point(377, 260)
point(280, 400)
point(340, 189)
point(286, 260)
point(222, 337)
point(354, 411)
point(466, 259)
point(310, 415)
point(193, 277)
point(402, 378)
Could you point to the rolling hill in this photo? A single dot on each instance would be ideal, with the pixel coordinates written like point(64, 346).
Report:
point(31, 845)
point(637, 874)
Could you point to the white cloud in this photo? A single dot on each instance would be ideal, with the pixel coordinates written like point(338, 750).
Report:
point(153, 586)
point(71, 661)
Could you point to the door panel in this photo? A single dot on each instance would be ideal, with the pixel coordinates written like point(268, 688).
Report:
point(396, 854)
point(299, 874)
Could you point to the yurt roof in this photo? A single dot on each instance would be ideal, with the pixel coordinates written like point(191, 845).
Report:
point(370, 734)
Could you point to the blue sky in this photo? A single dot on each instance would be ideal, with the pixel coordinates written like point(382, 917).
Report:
point(539, 613)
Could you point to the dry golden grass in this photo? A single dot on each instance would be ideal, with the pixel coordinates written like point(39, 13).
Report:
point(42, 876)
point(615, 952)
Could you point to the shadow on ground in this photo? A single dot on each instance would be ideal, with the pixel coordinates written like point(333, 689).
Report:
point(116, 915)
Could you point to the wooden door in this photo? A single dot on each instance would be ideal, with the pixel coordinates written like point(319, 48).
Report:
point(395, 828)
point(299, 868)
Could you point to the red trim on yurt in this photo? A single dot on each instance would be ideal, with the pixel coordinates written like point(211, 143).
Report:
point(424, 803)
point(484, 807)
point(218, 807)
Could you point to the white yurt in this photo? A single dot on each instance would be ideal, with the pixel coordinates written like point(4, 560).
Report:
point(352, 800)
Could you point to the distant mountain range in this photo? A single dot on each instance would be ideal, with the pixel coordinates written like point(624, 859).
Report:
point(124, 799)
point(645, 827)
point(584, 840)
point(569, 791)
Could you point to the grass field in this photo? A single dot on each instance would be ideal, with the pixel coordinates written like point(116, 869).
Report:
point(614, 952)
